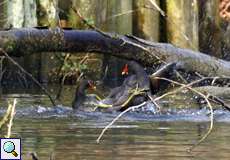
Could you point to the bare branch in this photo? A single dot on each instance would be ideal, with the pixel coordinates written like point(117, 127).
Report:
point(116, 118)
point(28, 74)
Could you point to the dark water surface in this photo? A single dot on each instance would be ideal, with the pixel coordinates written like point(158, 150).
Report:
point(76, 139)
point(66, 135)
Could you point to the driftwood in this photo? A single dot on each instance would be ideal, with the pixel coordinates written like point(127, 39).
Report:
point(214, 90)
point(211, 90)
point(19, 42)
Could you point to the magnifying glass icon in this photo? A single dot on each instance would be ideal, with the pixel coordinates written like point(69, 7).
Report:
point(9, 147)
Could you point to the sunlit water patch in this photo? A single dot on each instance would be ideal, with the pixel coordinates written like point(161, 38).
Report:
point(170, 114)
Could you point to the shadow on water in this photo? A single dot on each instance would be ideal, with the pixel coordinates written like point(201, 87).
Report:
point(69, 135)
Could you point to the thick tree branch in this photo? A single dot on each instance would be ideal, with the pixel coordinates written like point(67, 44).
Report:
point(19, 42)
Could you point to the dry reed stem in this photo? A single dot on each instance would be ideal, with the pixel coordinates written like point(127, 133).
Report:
point(209, 130)
point(12, 113)
point(6, 116)
point(201, 94)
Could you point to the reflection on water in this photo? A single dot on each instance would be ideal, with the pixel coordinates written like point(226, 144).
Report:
point(73, 138)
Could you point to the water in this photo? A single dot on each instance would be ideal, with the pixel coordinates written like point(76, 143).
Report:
point(72, 138)
point(136, 136)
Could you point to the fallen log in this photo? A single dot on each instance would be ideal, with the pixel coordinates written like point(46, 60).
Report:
point(215, 91)
point(19, 42)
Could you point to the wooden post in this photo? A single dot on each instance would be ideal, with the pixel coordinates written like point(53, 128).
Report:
point(15, 13)
point(30, 13)
point(3, 14)
point(145, 21)
point(182, 23)
point(47, 16)
point(31, 62)
point(209, 28)
point(47, 13)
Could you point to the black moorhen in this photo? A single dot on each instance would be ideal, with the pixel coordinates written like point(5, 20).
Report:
point(81, 98)
point(137, 78)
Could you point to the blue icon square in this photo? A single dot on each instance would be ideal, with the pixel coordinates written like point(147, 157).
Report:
point(10, 149)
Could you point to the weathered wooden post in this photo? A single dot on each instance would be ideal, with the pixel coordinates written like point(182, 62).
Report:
point(15, 13)
point(31, 62)
point(145, 20)
point(3, 14)
point(47, 16)
point(209, 28)
point(182, 23)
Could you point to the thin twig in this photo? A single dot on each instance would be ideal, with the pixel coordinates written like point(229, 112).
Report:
point(63, 78)
point(114, 37)
point(116, 118)
point(88, 24)
point(1, 69)
point(178, 89)
point(120, 14)
point(154, 102)
point(30, 75)
point(201, 94)
point(210, 127)
point(61, 86)
point(188, 86)
point(214, 80)
point(157, 8)
point(183, 86)
point(84, 59)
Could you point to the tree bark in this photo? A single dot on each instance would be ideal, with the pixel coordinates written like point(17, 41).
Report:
point(20, 42)
point(210, 28)
point(3, 14)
